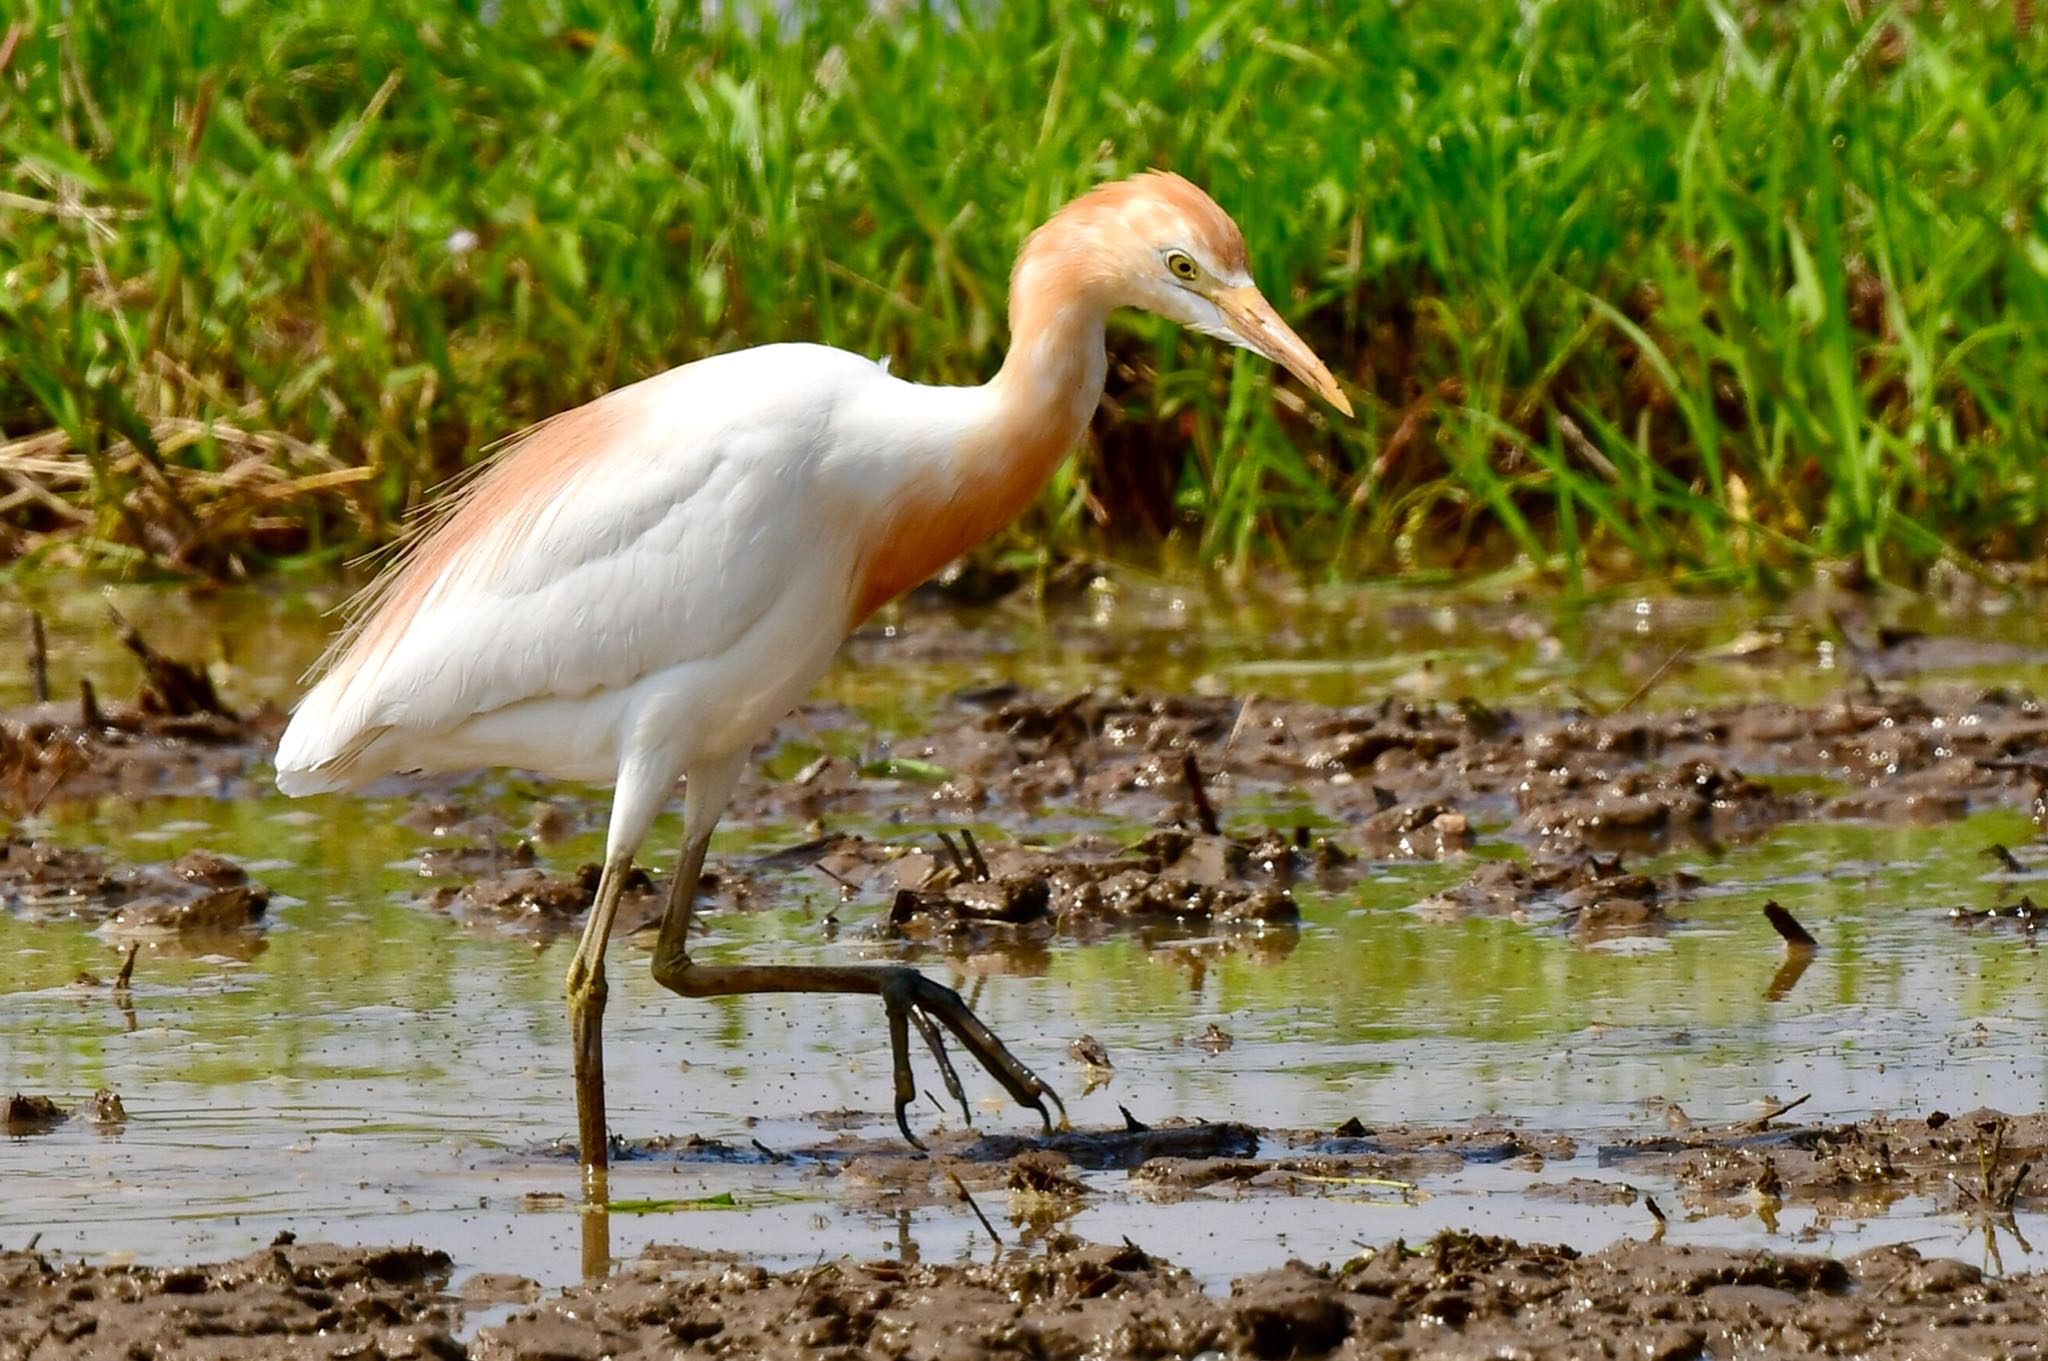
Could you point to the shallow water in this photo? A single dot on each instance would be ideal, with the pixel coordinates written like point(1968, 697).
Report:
point(372, 1072)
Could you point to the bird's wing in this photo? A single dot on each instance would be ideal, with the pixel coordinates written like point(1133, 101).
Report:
point(647, 529)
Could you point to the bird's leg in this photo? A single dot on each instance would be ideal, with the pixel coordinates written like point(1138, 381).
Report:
point(586, 987)
point(907, 997)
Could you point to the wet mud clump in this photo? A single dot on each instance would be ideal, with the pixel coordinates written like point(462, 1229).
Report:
point(526, 900)
point(198, 895)
point(25, 1115)
point(1382, 782)
point(1982, 1162)
point(1700, 797)
point(1170, 886)
point(1388, 770)
point(1459, 1297)
point(312, 1301)
point(1054, 1296)
point(21, 1115)
point(177, 738)
point(1596, 897)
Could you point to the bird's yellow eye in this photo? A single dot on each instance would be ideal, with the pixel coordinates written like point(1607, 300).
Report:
point(1183, 265)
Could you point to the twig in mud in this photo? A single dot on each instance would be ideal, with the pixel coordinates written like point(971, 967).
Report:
point(33, 1239)
point(126, 977)
point(1786, 925)
point(1990, 1153)
point(1244, 712)
point(1656, 678)
point(770, 1154)
point(1763, 1121)
point(38, 659)
point(1656, 1213)
point(56, 780)
point(981, 874)
point(89, 714)
point(1132, 1124)
point(959, 860)
point(961, 1187)
point(1205, 812)
point(2007, 861)
point(847, 888)
point(183, 688)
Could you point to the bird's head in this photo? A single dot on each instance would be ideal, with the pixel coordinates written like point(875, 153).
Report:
point(1157, 242)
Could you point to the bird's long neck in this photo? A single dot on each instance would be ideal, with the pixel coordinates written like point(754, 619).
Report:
point(1051, 381)
point(1022, 423)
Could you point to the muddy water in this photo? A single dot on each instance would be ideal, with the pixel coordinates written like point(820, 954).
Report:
point(365, 1069)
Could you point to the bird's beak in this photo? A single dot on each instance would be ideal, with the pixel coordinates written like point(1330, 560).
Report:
point(1259, 329)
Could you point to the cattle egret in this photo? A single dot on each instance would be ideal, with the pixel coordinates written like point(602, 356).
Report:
point(637, 590)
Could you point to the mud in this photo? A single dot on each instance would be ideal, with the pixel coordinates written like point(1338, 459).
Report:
point(1595, 896)
point(1456, 1296)
point(1389, 781)
point(1562, 779)
point(286, 1300)
point(525, 900)
point(1980, 1163)
point(177, 738)
point(1385, 782)
point(1392, 780)
point(21, 1115)
point(200, 896)
point(1171, 878)
point(54, 753)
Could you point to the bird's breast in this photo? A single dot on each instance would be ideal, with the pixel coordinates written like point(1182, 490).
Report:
point(933, 521)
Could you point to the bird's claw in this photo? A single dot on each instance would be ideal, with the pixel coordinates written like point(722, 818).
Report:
point(908, 998)
point(936, 1042)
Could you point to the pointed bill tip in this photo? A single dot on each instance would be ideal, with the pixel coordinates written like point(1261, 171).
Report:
point(1259, 328)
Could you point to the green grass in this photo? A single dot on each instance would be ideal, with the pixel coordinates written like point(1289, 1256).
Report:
point(1710, 292)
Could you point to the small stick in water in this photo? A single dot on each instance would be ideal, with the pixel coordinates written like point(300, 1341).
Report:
point(127, 974)
point(180, 689)
point(1205, 812)
point(959, 860)
point(89, 706)
point(1796, 936)
point(1762, 1121)
point(961, 1187)
point(1244, 712)
point(2007, 861)
point(1656, 678)
point(981, 875)
point(38, 659)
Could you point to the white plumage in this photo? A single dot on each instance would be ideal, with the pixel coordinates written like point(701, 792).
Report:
point(680, 585)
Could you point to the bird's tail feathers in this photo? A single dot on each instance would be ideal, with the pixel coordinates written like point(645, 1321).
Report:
point(309, 758)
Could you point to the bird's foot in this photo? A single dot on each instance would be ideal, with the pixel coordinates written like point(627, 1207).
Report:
point(912, 999)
